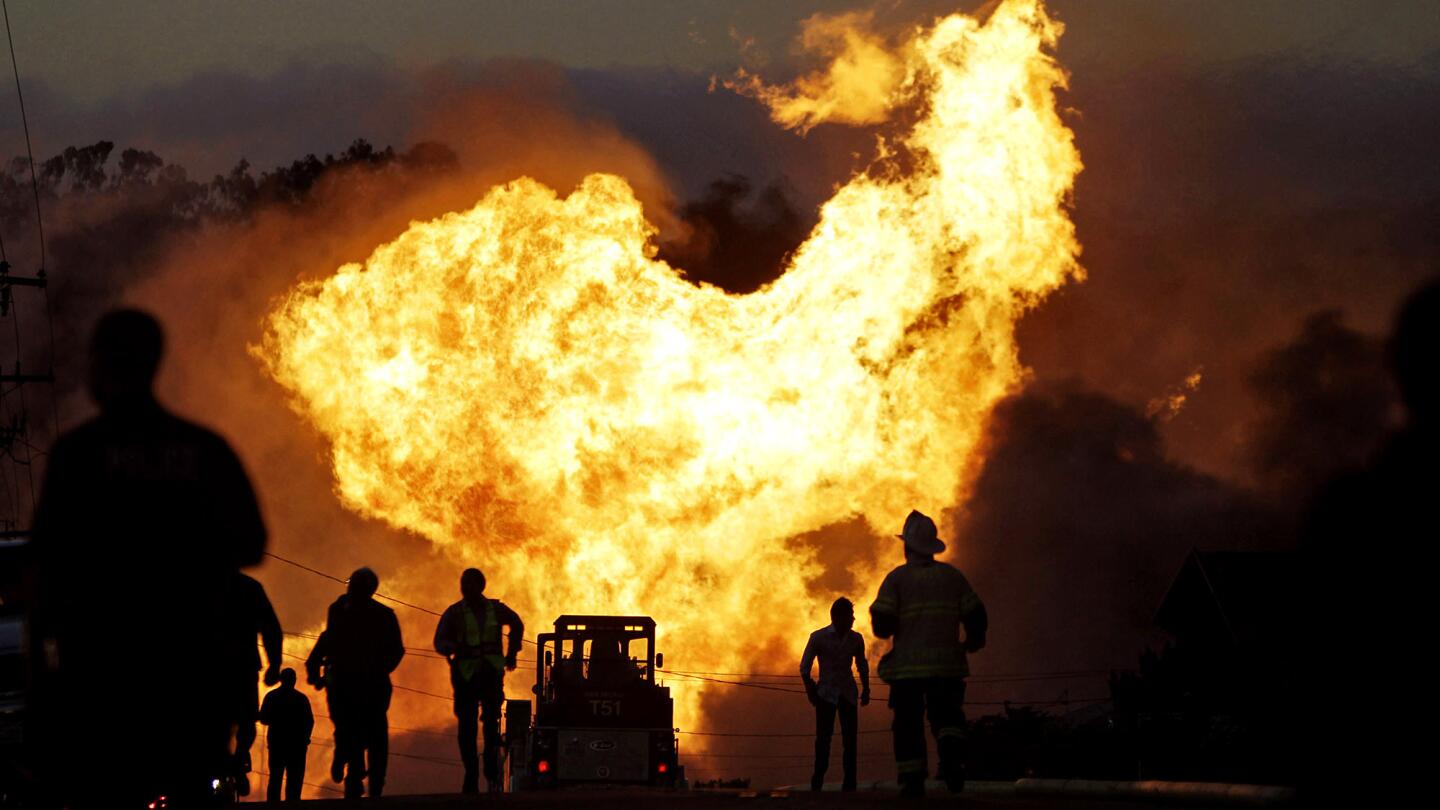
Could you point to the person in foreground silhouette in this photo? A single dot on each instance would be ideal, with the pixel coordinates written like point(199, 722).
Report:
point(289, 721)
point(1368, 564)
point(837, 646)
point(468, 635)
point(922, 606)
point(249, 614)
point(143, 520)
point(352, 661)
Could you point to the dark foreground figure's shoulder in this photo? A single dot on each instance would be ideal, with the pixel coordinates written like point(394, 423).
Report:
point(153, 481)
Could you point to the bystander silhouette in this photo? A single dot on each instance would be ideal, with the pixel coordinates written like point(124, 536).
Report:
point(1368, 554)
point(468, 635)
point(143, 520)
point(249, 613)
point(352, 661)
point(838, 647)
point(289, 721)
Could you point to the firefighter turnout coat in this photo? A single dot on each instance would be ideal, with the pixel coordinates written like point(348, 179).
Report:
point(927, 601)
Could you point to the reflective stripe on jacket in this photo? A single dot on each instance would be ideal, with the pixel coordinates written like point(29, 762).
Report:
point(929, 601)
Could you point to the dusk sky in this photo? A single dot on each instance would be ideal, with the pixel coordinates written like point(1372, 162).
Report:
point(89, 50)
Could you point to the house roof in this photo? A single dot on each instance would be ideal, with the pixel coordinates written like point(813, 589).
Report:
point(1242, 597)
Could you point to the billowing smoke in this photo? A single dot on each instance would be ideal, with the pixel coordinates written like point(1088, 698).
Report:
point(735, 237)
point(1078, 521)
point(1325, 401)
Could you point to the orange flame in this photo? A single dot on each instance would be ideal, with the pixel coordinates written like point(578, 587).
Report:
point(526, 386)
point(860, 85)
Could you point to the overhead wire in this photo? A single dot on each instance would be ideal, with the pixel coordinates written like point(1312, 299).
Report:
point(23, 424)
point(973, 679)
point(42, 273)
point(705, 675)
point(334, 578)
point(25, 123)
point(327, 788)
point(698, 676)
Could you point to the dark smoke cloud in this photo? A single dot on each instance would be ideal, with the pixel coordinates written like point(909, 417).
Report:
point(210, 120)
point(1077, 522)
point(734, 239)
point(1222, 204)
point(1325, 402)
point(1082, 513)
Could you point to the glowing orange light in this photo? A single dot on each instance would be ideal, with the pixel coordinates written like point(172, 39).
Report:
point(526, 386)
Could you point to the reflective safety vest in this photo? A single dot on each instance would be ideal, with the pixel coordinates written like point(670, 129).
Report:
point(480, 642)
point(929, 601)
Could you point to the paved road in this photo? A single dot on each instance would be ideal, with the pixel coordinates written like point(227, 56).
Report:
point(628, 799)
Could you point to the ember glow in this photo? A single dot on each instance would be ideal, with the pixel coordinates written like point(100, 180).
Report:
point(525, 385)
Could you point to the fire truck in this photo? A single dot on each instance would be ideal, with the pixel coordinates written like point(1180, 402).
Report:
point(600, 715)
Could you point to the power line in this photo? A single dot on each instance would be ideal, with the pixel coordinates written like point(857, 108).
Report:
point(807, 735)
point(449, 735)
point(805, 757)
point(334, 578)
point(973, 679)
point(703, 675)
point(744, 684)
point(24, 406)
point(25, 122)
point(750, 685)
point(386, 597)
point(773, 688)
point(9, 305)
point(446, 698)
point(266, 774)
point(416, 652)
point(402, 754)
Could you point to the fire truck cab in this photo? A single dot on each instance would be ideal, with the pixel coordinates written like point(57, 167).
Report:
point(600, 714)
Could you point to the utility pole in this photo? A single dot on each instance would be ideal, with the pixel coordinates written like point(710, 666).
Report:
point(18, 448)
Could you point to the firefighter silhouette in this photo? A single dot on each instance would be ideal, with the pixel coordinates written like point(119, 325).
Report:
point(352, 661)
point(143, 520)
point(922, 606)
point(468, 635)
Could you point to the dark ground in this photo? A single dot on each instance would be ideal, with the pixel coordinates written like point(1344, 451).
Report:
point(718, 800)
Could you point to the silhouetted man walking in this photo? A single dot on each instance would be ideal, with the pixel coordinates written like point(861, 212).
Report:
point(352, 661)
point(922, 605)
point(468, 635)
point(249, 613)
point(838, 647)
point(143, 520)
point(287, 716)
